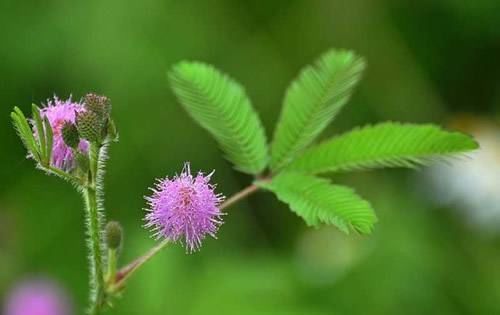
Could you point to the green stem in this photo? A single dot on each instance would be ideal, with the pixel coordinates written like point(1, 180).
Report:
point(94, 231)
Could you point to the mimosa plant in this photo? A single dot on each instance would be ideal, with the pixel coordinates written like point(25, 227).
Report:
point(70, 139)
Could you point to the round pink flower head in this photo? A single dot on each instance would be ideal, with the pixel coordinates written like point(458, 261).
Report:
point(184, 208)
point(58, 112)
point(37, 297)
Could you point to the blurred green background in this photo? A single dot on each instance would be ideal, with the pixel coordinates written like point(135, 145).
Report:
point(428, 61)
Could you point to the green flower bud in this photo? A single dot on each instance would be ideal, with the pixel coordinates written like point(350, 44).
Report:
point(89, 126)
point(114, 234)
point(98, 104)
point(70, 135)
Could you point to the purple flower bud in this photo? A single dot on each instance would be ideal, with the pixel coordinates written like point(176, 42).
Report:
point(59, 112)
point(184, 208)
point(36, 297)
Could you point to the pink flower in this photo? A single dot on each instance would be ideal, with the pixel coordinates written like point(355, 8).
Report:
point(184, 208)
point(36, 297)
point(58, 112)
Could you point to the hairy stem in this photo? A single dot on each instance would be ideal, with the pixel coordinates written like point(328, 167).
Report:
point(95, 254)
point(239, 196)
point(124, 273)
point(92, 195)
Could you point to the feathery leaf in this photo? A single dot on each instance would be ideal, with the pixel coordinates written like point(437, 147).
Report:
point(220, 105)
point(387, 144)
point(312, 101)
point(317, 201)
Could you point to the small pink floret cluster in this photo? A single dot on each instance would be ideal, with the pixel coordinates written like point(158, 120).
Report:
point(185, 208)
point(58, 112)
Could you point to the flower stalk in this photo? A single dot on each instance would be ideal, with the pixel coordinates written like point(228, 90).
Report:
point(126, 272)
